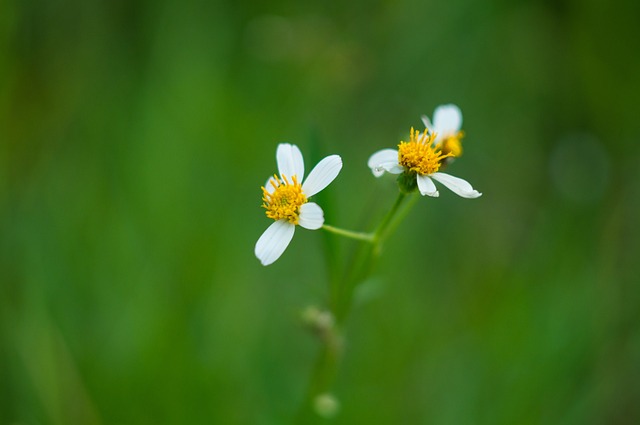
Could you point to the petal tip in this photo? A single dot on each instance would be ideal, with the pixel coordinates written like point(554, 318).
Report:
point(273, 242)
point(435, 194)
point(377, 171)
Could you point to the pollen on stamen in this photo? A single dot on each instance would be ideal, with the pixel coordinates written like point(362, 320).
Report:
point(419, 155)
point(452, 144)
point(285, 200)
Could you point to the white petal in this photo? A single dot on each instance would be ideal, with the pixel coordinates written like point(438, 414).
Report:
point(456, 185)
point(311, 216)
point(427, 123)
point(426, 186)
point(384, 155)
point(274, 241)
point(322, 174)
point(393, 168)
point(384, 160)
point(269, 184)
point(447, 119)
point(290, 162)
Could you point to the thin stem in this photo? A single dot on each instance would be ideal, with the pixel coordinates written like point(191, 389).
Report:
point(387, 218)
point(361, 266)
point(364, 262)
point(323, 375)
point(398, 218)
point(361, 236)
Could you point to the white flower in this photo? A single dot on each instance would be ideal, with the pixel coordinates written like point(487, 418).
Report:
point(285, 199)
point(421, 158)
point(447, 124)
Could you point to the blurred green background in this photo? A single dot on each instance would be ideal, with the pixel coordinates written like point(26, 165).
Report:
point(135, 136)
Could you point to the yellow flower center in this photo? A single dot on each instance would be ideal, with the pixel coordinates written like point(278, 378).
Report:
point(419, 155)
point(285, 200)
point(452, 144)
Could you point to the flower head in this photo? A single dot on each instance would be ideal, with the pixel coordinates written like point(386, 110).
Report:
point(447, 121)
point(285, 198)
point(419, 161)
point(418, 155)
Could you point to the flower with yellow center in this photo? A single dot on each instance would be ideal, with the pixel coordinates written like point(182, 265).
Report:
point(447, 121)
point(419, 159)
point(285, 198)
point(419, 155)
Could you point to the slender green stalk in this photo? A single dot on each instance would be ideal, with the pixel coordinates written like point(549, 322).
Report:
point(399, 217)
point(367, 256)
point(382, 227)
point(359, 269)
point(366, 260)
point(367, 237)
point(323, 375)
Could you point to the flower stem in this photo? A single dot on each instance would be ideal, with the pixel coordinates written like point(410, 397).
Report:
point(341, 302)
point(379, 233)
point(366, 259)
point(322, 376)
point(399, 216)
point(367, 237)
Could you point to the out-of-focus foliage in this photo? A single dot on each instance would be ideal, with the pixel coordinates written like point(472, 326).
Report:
point(134, 137)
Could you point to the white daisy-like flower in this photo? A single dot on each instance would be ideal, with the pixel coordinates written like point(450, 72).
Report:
point(420, 158)
point(285, 198)
point(447, 124)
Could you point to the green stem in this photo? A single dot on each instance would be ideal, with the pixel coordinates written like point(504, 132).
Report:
point(361, 236)
point(361, 267)
point(380, 230)
point(323, 375)
point(399, 217)
point(365, 260)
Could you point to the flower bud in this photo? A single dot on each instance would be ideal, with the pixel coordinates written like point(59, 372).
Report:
point(319, 320)
point(326, 405)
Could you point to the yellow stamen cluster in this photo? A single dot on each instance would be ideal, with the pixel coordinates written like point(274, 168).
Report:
point(452, 145)
point(419, 155)
point(285, 200)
